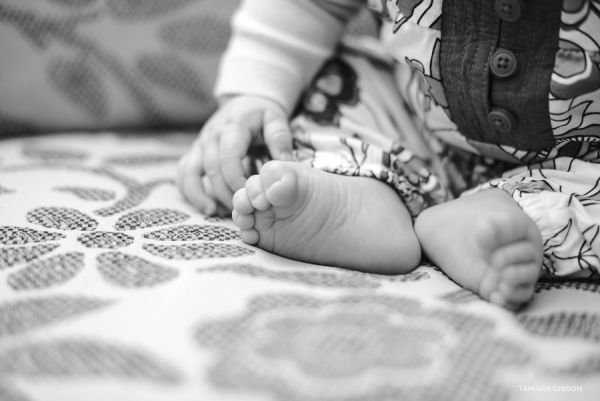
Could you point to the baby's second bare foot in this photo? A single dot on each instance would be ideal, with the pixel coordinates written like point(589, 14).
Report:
point(487, 244)
point(312, 216)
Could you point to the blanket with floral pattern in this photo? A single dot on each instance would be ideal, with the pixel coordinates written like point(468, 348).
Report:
point(112, 287)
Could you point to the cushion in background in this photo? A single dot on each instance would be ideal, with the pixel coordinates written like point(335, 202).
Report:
point(95, 64)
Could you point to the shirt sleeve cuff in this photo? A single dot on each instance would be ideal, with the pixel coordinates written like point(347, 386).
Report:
point(251, 77)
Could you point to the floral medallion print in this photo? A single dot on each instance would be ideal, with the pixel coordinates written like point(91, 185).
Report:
point(296, 347)
point(336, 278)
point(13, 256)
point(67, 358)
point(111, 285)
point(36, 256)
point(91, 194)
point(25, 315)
point(132, 271)
point(47, 272)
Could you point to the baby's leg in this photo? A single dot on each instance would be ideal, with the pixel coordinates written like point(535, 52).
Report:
point(349, 200)
point(309, 215)
point(486, 243)
point(495, 241)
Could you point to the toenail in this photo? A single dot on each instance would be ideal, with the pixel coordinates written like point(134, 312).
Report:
point(260, 202)
point(250, 236)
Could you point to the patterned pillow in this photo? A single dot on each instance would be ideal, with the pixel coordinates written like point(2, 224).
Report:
point(96, 64)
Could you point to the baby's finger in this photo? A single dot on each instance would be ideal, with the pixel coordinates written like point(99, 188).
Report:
point(212, 167)
point(277, 135)
point(233, 147)
point(181, 170)
point(189, 180)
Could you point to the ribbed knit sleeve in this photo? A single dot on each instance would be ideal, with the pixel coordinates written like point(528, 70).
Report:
point(278, 45)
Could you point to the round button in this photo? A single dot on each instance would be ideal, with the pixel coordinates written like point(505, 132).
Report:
point(501, 119)
point(509, 10)
point(503, 63)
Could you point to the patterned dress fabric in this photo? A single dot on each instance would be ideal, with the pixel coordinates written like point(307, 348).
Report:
point(137, 296)
point(412, 35)
point(353, 120)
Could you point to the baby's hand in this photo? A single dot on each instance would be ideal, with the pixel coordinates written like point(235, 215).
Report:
point(212, 170)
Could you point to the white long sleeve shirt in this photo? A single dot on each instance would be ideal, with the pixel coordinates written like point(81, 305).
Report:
point(278, 45)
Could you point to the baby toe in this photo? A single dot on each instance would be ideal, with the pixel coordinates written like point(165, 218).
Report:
point(514, 253)
point(496, 298)
point(255, 193)
point(515, 294)
point(243, 221)
point(280, 182)
point(521, 274)
point(250, 236)
point(241, 202)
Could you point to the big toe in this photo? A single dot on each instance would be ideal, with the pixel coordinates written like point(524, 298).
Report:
point(281, 182)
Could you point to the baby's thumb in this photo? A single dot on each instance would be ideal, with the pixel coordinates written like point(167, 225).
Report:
point(277, 134)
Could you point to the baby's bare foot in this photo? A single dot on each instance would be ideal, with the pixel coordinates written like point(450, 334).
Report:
point(486, 243)
point(306, 214)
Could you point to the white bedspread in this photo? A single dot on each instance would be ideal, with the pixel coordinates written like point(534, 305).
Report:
point(113, 288)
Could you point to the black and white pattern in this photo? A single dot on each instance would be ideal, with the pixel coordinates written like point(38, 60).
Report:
point(61, 218)
point(88, 194)
point(193, 233)
point(16, 255)
point(298, 347)
point(80, 82)
point(84, 358)
point(105, 240)
point(564, 324)
point(136, 160)
point(27, 314)
point(461, 297)
point(48, 272)
point(196, 251)
point(145, 218)
point(214, 219)
point(136, 194)
point(174, 74)
point(311, 278)
point(578, 285)
point(11, 235)
point(148, 9)
point(174, 305)
point(587, 367)
point(131, 271)
point(199, 35)
point(74, 3)
point(49, 154)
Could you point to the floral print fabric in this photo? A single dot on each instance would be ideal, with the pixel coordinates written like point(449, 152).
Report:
point(351, 122)
point(411, 34)
point(118, 288)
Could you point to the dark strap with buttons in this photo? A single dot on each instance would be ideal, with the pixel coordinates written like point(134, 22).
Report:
point(497, 58)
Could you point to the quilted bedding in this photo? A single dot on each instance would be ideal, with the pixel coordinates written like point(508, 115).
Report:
point(112, 287)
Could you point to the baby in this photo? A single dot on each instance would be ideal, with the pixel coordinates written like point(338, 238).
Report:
point(487, 100)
